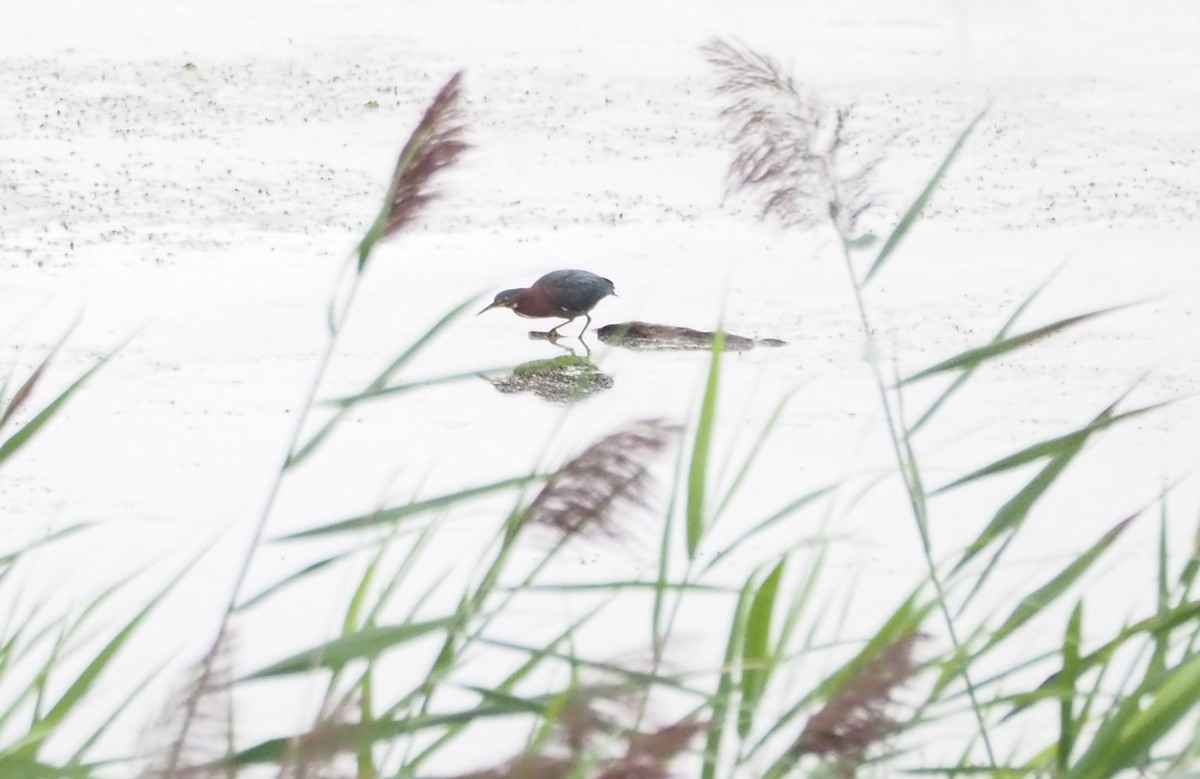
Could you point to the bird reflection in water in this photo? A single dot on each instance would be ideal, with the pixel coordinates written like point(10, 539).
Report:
point(567, 378)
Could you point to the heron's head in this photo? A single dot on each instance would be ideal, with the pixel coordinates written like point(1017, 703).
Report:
point(506, 299)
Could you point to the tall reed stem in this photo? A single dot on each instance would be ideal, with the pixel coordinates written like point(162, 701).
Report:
point(907, 463)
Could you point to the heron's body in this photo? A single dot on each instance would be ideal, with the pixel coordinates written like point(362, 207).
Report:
point(569, 294)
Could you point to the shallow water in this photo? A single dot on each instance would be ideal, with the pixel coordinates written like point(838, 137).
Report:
point(208, 208)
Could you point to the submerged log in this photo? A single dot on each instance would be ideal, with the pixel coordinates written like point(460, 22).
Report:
point(647, 336)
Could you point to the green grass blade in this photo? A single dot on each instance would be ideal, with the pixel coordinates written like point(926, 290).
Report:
point(1053, 448)
point(13, 652)
point(1184, 614)
point(78, 759)
point(292, 578)
point(972, 358)
point(23, 392)
point(361, 644)
point(616, 585)
point(1187, 576)
point(914, 211)
point(414, 554)
point(351, 736)
point(1125, 741)
point(351, 623)
point(752, 457)
point(778, 516)
point(305, 450)
point(723, 699)
point(354, 609)
point(1062, 451)
point(634, 679)
point(1067, 724)
point(26, 432)
point(968, 372)
point(78, 689)
point(8, 377)
point(26, 389)
point(515, 704)
point(536, 657)
point(952, 668)
point(662, 620)
point(11, 557)
point(1037, 601)
point(29, 768)
point(903, 622)
point(391, 515)
point(1161, 642)
point(1012, 514)
point(409, 386)
point(698, 468)
point(53, 657)
point(757, 662)
point(69, 631)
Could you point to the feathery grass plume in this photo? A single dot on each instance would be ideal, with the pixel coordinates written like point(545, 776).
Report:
point(666, 743)
point(21, 395)
point(583, 494)
point(647, 755)
point(630, 769)
point(199, 721)
point(796, 152)
point(311, 755)
point(581, 719)
point(434, 145)
point(527, 767)
point(598, 746)
point(855, 717)
point(595, 711)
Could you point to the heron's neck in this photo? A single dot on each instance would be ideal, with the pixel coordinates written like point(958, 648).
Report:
point(531, 303)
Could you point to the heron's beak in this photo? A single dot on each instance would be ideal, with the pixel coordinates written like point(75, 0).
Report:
point(490, 306)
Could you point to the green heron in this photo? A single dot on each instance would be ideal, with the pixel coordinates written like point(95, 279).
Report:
point(562, 293)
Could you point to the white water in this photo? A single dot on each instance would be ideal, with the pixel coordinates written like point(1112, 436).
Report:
point(208, 209)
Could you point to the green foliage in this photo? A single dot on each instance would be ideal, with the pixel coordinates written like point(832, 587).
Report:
point(918, 206)
point(367, 643)
point(698, 470)
point(26, 432)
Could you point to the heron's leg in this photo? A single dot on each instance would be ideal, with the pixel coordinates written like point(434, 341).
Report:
point(554, 331)
point(586, 325)
point(568, 349)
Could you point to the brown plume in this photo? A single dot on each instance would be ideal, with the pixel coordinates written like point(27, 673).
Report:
point(583, 494)
point(311, 754)
point(856, 716)
point(198, 722)
point(590, 743)
point(22, 394)
point(794, 151)
point(435, 144)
